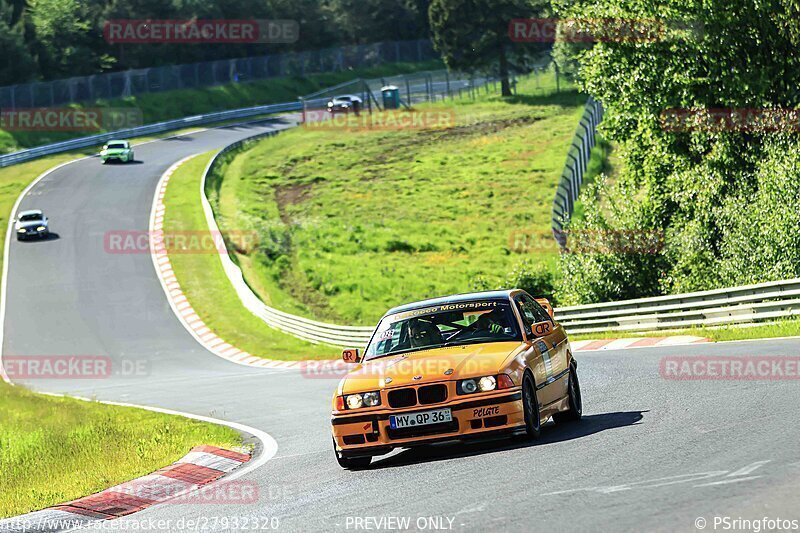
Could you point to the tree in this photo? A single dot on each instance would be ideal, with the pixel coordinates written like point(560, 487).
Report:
point(473, 35)
point(695, 184)
point(16, 63)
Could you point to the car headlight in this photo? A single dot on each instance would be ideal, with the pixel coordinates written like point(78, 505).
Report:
point(41, 228)
point(487, 383)
point(21, 230)
point(483, 384)
point(371, 399)
point(363, 399)
point(355, 401)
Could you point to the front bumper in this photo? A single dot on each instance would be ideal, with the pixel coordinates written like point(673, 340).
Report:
point(116, 157)
point(473, 416)
point(31, 233)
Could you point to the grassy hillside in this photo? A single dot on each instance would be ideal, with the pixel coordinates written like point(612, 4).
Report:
point(355, 221)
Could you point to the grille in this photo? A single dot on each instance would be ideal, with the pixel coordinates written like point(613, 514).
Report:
point(402, 398)
point(432, 394)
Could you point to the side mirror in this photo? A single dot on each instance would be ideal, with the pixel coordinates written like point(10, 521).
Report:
point(350, 355)
point(542, 329)
point(544, 302)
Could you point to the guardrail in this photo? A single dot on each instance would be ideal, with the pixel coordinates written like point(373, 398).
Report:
point(735, 305)
point(571, 180)
point(149, 129)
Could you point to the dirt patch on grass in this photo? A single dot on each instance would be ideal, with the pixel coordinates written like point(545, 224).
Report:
point(288, 195)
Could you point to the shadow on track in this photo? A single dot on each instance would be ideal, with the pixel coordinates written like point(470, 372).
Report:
point(551, 433)
point(52, 236)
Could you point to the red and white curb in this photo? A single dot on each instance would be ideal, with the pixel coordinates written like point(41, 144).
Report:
point(635, 342)
point(180, 482)
point(177, 299)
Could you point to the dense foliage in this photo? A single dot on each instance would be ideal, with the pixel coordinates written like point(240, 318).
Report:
point(473, 35)
point(724, 197)
point(48, 39)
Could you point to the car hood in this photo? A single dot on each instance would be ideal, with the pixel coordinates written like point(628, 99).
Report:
point(471, 360)
point(115, 151)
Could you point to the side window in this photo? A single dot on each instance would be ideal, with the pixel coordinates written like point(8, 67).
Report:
point(538, 311)
point(528, 318)
point(531, 311)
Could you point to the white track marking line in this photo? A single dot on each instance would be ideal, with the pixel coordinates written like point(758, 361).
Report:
point(270, 446)
point(728, 481)
point(749, 469)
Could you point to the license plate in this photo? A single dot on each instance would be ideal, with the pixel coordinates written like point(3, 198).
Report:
point(425, 418)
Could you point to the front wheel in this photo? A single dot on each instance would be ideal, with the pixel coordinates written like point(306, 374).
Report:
point(575, 401)
point(351, 463)
point(530, 408)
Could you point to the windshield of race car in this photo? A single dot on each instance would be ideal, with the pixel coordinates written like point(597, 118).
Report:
point(444, 325)
point(117, 146)
point(30, 218)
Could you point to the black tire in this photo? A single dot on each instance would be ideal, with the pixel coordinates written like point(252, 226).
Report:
point(351, 463)
point(530, 407)
point(575, 411)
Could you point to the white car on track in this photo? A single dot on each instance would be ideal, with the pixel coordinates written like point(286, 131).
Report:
point(31, 223)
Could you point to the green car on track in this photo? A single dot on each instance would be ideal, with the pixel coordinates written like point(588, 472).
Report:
point(117, 151)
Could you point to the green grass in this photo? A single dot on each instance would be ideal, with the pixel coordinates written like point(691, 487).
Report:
point(53, 450)
point(780, 328)
point(168, 105)
point(354, 222)
point(206, 286)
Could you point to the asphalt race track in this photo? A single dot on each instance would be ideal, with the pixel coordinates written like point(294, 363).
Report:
point(650, 454)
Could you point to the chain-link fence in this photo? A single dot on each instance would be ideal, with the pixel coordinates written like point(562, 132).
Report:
point(409, 89)
point(134, 82)
point(578, 156)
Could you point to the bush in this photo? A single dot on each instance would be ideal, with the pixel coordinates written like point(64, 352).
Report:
point(532, 278)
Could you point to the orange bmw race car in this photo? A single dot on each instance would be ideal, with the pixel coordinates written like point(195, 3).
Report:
point(454, 368)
